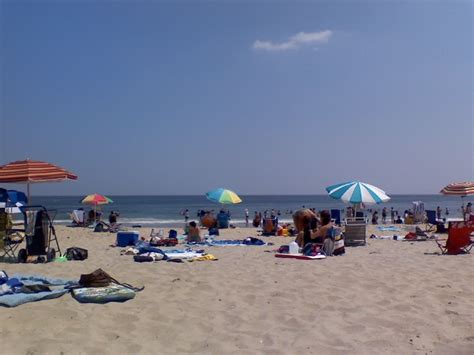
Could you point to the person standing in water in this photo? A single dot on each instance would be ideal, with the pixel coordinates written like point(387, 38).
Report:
point(246, 217)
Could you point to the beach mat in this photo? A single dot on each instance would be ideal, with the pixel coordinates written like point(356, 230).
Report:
point(112, 293)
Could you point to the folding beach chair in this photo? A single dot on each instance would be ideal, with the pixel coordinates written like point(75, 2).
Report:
point(460, 239)
point(10, 239)
point(359, 214)
point(222, 220)
point(11, 242)
point(336, 216)
point(432, 223)
point(355, 232)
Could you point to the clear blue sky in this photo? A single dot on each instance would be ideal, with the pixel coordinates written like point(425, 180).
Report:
point(156, 97)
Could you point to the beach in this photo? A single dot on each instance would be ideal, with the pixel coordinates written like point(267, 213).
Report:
point(389, 297)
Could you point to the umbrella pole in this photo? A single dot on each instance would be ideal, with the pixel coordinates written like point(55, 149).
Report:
point(28, 193)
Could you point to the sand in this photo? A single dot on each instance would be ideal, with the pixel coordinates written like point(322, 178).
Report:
point(389, 297)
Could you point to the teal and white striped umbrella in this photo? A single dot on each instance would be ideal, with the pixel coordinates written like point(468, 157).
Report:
point(356, 192)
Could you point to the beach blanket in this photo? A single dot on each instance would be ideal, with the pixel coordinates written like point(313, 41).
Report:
point(147, 254)
point(58, 288)
point(184, 255)
point(388, 229)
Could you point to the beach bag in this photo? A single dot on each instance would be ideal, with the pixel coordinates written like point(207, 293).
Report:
point(143, 258)
point(76, 253)
point(99, 278)
point(339, 246)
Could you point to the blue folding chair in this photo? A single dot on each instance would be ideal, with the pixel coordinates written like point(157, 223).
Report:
point(336, 216)
point(433, 224)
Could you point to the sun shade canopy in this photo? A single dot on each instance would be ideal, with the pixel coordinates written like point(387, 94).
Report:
point(357, 192)
point(223, 196)
point(459, 189)
point(32, 171)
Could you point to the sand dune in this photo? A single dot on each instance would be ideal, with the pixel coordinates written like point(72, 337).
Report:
point(388, 297)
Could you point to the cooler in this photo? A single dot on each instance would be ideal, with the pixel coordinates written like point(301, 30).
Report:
point(127, 238)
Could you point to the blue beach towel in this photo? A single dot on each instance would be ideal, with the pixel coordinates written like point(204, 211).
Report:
point(58, 288)
point(388, 229)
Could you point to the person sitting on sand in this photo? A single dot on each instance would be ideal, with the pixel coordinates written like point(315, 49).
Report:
point(312, 234)
point(257, 220)
point(194, 234)
point(113, 217)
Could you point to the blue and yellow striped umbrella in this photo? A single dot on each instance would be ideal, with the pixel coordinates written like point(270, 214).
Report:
point(356, 192)
point(223, 196)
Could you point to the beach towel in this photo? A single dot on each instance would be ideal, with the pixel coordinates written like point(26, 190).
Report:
point(58, 287)
point(184, 255)
point(207, 257)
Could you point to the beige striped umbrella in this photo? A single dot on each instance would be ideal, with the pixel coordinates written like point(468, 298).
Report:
point(459, 189)
point(462, 189)
point(32, 171)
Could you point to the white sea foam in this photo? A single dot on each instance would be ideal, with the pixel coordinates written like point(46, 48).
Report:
point(157, 221)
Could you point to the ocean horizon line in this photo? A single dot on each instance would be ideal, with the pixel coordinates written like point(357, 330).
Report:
point(203, 195)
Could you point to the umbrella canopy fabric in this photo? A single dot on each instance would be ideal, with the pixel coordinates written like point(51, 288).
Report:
point(356, 192)
point(33, 171)
point(96, 199)
point(459, 189)
point(223, 196)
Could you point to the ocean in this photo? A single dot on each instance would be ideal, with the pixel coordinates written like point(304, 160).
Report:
point(164, 211)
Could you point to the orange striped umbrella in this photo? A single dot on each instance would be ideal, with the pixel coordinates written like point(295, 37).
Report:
point(32, 171)
point(459, 189)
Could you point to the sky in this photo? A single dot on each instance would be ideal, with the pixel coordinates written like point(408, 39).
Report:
point(161, 97)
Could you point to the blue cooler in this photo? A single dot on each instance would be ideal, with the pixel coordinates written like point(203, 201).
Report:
point(125, 239)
